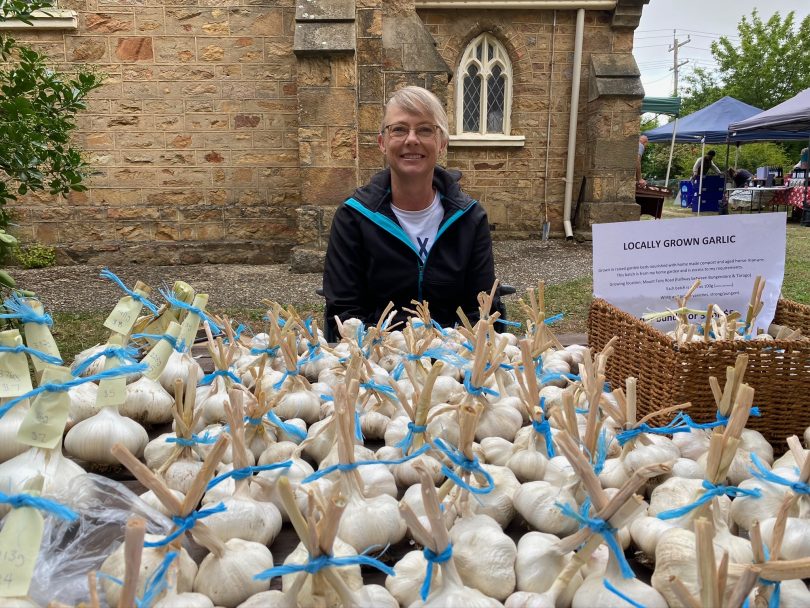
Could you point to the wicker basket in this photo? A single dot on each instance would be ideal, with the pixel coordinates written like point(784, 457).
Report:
point(779, 370)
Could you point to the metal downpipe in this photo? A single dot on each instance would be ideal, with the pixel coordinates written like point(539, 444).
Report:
point(572, 123)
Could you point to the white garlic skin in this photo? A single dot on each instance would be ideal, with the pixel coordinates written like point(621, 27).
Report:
point(745, 510)
point(527, 599)
point(96, 366)
point(796, 540)
point(497, 450)
point(350, 574)
point(147, 402)
point(537, 502)
point(538, 547)
point(228, 580)
point(371, 522)
point(299, 470)
point(91, 439)
point(484, 556)
point(158, 451)
point(151, 559)
point(153, 501)
point(302, 404)
point(82, 402)
point(178, 366)
point(185, 600)
point(410, 572)
point(246, 519)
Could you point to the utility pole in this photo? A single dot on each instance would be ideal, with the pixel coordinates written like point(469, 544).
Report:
point(675, 65)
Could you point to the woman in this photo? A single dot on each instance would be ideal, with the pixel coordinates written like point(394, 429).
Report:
point(410, 233)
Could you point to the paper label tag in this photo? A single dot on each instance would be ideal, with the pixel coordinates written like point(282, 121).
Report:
point(156, 359)
point(38, 337)
point(111, 391)
point(44, 423)
point(188, 330)
point(14, 377)
point(124, 315)
point(20, 539)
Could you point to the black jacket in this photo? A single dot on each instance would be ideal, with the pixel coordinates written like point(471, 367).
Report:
point(371, 261)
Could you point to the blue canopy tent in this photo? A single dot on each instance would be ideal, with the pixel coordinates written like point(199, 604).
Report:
point(711, 125)
point(791, 117)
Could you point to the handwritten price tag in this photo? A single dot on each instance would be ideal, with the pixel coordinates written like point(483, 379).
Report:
point(19, 547)
point(124, 315)
point(38, 337)
point(191, 323)
point(157, 358)
point(44, 423)
point(14, 377)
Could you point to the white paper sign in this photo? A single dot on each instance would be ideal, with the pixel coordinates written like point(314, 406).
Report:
point(641, 267)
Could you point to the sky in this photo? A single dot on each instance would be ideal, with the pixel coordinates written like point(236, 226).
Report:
point(701, 20)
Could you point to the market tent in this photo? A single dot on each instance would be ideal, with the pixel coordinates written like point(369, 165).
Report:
point(712, 123)
point(792, 115)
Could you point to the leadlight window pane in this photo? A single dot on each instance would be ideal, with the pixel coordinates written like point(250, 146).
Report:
point(472, 100)
point(478, 50)
point(491, 51)
point(496, 103)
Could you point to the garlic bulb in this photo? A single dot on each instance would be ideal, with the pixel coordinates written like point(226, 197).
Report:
point(227, 579)
point(301, 403)
point(246, 519)
point(151, 558)
point(646, 532)
point(499, 503)
point(263, 485)
point(184, 600)
point(371, 521)
point(82, 402)
point(178, 366)
point(153, 501)
point(306, 596)
point(593, 592)
point(484, 555)
point(406, 474)
point(539, 548)
point(497, 450)
point(56, 470)
point(9, 425)
point(795, 542)
point(91, 439)
point(745, 510)
point(147, 402)
point(537, 502)
point(676, 555)
point(499, 421)
point(410, 572)
point(96, 366)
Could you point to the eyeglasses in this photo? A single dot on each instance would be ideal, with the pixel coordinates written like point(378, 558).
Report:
point(400, 131)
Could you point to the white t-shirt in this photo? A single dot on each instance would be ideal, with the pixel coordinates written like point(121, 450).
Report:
point(421, 226)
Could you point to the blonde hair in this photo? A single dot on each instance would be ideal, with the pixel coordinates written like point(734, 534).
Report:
point(416, 100)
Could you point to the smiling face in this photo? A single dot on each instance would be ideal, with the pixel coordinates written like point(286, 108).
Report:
point(411, 157)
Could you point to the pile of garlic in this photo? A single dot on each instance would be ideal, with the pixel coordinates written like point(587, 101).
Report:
point(512, 474)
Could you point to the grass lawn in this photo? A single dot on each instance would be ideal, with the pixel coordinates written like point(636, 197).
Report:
point(77, 331)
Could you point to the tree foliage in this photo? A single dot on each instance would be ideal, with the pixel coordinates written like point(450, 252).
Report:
point(769, 64)
point(38, 107)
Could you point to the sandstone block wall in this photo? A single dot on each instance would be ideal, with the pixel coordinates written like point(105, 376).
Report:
point(192, 140)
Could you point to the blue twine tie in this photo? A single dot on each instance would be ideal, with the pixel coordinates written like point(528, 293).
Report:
point(380, 388)
point(270, 352)
point(192, 309)
point(177, 344)
point(125, 354)
point(195, 440)
point(476, 391)
point(544, 428)
point(291, 430)
point(18, 501)
point(362, 463)
point(316, 564)
point(609, 586)
point(507, 323)
point(458, 458)
point(711, 492)
point(760, 472)
point(400, 367)
point(447, 356)
point(719, 421)
point(326, 397)
point(18, 309)
point(32, 352)
point(406, 442)
point(603, 528)
point(433, 559)
point(554, 319)
point(598, 460)
point(358, 431)
point(209, 378)
point(106, 273)
point(244, 473)
point(154, 586)
point(773, 602)
point(254, 421)
point(287, 374)
point(678, 425)
point(52, 387)
point(546, 377)
point(184, 524)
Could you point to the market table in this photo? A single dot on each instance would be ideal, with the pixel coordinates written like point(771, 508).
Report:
point(773, 196)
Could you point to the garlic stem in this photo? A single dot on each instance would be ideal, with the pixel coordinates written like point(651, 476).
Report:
point(423, 405)
point(133, 549)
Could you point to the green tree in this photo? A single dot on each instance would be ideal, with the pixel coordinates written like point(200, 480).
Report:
point(769, 64)
point(38, 106)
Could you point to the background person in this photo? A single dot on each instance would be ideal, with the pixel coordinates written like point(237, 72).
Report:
point(740, 177)
point(804, 160)
point(705, 164)
point(642, 145)
point(411, 233)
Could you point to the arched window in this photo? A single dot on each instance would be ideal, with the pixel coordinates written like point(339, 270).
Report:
point(484, 88)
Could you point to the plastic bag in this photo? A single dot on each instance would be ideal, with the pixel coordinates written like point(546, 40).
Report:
point(70, 550)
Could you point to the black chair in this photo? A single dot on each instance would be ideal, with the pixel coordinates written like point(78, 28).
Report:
point(503, 290)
